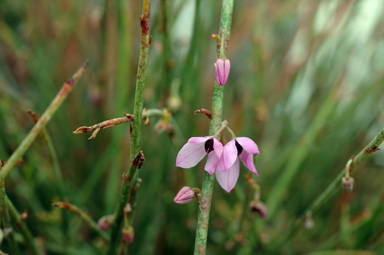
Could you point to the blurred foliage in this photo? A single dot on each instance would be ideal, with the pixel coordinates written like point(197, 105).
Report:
point(306, 85)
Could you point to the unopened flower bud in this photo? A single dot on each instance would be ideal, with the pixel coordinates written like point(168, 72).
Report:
point(260, 208)
point(185, 195)
point(347, 184)
point(128, 234)
point(309, 223)
point(222, 67)
point(105, 222)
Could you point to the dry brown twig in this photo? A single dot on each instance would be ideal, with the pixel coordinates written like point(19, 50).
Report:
point(103, 125)
point(113, 122)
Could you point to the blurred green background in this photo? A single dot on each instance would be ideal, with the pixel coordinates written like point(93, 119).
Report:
point(306, 85)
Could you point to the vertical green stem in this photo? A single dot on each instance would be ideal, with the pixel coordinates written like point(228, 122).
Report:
point(109, 44)
point(217, 110)
point(24, 230)
point(167, 51)
point(6, 220)
point(136, 132)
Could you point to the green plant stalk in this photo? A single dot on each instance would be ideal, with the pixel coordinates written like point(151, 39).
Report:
point(301, 152)
point(84, 216)
point(217, 111)
point(167, 51)
point(45, 118)
point(123, 85)
point(6, 220)
point(58, 179)
point(332, 188)
point(109, 39)
point(59, 182)
point(98, 172)
point(136, 132)
point(20, 224)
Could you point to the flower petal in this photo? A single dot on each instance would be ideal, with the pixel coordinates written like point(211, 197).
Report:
point(227, 67)
point(228, 179)
point(248, 144)
point(190, 155)
point(247, 159)
point(229, 154)
point(217, 74)
point(218, 147)
point(199, 139)
point(211, 162)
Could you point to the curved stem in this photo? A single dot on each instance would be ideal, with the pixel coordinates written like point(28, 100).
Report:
point(84, 216)
point(217, 110)
point(332, 188)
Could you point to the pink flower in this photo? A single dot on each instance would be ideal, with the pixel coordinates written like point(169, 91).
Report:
point(185, 195)
point(106, 222)
point(222, 67)
point(128, 234)
point(195, 150)
point(228, 166)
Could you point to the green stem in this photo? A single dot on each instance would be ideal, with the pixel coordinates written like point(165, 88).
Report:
point(45, 118)
point(84, 216)
point(332, 188)
point(167, 51)
point(217, 110)
point(59, 182)
point(136, 134)
point(286, 178)
point(109, 38)
point(6, 220)
point(20, 224)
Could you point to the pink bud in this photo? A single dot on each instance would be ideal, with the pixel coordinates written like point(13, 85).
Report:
point(185, 195)
point(222, 67)
point(259, 208)
point(128, 234)
point(105, 222)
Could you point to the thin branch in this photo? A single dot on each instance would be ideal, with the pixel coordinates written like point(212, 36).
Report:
point(332, 188)
point(59, 181)
point(45, 118)
point(113, 122)
point(84, 216)
point(5, 217)
point(20, 224)
point(145, 44)
point(103, 125)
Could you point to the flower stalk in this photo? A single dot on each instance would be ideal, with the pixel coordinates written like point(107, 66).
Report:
point(136, 132)
point(24, 230)
point(216, 114)
point(332, 188)
point(5, 217)
point(84, 216)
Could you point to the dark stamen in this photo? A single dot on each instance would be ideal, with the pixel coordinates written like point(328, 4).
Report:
point(239, 148)
point(208, 145)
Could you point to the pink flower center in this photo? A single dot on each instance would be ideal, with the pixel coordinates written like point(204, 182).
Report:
point(239, 148)
point(208, 146)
